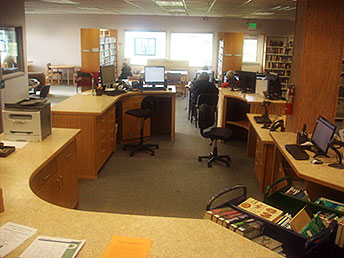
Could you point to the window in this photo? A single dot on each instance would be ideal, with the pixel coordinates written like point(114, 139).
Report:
point(10, 50)
point(142, 45)
point(250, 50)
point(197, 48)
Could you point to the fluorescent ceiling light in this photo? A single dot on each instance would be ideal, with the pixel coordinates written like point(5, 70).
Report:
point(264, 13)
point(169, 3)
point(283, 8)
point(176, 10)
point(90, 8)
point(60, 1)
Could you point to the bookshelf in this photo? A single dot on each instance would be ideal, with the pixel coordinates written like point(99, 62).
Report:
point(340, 103)
point(220, 60)
point(98, 47)
point(278, 57)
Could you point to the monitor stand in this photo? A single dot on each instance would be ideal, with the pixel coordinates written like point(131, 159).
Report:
point(320, 153)
point(339, 164)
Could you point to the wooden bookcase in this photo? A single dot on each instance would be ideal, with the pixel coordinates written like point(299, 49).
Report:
point(98, 47)
point(340, 103)
point(278, 56)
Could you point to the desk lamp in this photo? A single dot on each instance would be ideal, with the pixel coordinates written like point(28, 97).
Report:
point(335, 145)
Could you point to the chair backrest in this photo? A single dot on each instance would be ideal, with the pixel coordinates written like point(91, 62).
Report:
point(44, 92)
point(206, 116)
point(210, 99)
point(148, 102)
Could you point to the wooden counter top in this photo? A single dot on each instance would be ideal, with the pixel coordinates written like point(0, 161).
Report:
point(96, 105)
point(172, 237)
point(264, 134)
point(250, 98)
point(320, 173)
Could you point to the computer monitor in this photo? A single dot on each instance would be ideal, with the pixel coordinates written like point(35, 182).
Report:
point(154, 75)
point(209, 72)
point(322, 134)
point(108, 74)
point(274, 85)
point(247, 81)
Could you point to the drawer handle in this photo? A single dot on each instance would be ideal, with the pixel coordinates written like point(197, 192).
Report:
point(46, 177)
point(102, 131)
point(68, 155)
point(59, 183)
point(103, 120)
point(102, 151)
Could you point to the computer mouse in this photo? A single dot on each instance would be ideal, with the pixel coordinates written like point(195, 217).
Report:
point(169, 88)
point(317, 161)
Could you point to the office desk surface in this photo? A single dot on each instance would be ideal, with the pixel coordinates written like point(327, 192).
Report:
point(264, 134)
point(89, 104)
point(250, 98)
point(172, 237)
point(320, 173)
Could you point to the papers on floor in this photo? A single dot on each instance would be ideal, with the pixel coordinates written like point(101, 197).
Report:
point(53, 247)
point(127, 247)
point(12, 235)
point(17, 144)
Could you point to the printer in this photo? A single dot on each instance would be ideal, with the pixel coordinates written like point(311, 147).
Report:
point(27, 120)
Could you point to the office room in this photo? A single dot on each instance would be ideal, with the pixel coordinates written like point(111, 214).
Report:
point(81, 180)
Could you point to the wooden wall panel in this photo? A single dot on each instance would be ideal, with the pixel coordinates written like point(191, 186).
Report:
point(318, 46)
point(85, 141)
point(89, 60)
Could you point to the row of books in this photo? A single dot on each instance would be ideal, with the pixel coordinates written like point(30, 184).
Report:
point(278, 58)
point(297, 192)
point(278, 65)
point(330, 204)
point(275, 43)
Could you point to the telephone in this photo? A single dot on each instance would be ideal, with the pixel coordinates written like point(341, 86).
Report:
point(273, 96)
point(278, 124)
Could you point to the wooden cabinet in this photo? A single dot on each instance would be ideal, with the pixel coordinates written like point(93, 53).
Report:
point(57, 182)
point(98, 47)
point(231, 45)
point(131, 125)
point(278, 57)
point(106, 136)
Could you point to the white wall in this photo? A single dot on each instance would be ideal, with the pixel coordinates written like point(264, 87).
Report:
point(12, 14)
point(56, 38)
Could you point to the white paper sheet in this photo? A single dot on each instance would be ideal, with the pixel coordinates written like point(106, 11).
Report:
point(16, 144)
point(12, 235)
point(52, 247)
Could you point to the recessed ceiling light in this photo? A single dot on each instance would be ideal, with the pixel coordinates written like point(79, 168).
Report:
point(60, 1)
point(169, 3)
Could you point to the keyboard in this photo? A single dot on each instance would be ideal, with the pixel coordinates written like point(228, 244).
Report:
point(297, 152)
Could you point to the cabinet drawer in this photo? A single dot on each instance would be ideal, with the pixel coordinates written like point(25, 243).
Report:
point(131, 103)
point(66, 157)
point(43, 176)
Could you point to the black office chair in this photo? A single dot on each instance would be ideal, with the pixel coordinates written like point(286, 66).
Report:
point(210, 99)
point(206, 119)
point(42, 94)
point(146, 111)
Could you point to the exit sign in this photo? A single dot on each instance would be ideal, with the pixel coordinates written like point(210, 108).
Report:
point(252, 26)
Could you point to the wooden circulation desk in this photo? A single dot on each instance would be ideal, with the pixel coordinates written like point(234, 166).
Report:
point(100, 117)
point(172, 237)
point(254, 101)
point(319, 179)
point(261, 146)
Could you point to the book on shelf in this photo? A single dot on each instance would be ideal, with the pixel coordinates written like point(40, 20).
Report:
point(339, 240)
point(330, 204)
point(260, 209)
point(314, 227)
point(299, 193)
point(251, 230)
point(301, 219)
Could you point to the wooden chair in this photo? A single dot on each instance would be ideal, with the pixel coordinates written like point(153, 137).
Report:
point(75, 75)
point(51, 73)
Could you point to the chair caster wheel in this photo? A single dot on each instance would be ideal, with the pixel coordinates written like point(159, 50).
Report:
point(209, 165)
point(152, 154)
point(131, 154)
point(157, 147)
point(199, 159)
point(227, 165)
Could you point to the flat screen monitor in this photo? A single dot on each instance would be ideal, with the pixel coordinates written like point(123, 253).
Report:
point(274, 84)
point(209, 72)
point(247, 81)
point(322, 134)
point(154, 75)
point(108, 74)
